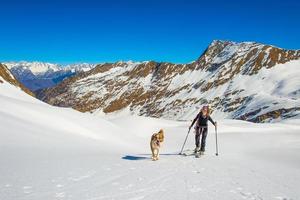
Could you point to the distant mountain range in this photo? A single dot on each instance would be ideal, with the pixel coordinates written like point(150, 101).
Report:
point(39, 75)
point(248, 81)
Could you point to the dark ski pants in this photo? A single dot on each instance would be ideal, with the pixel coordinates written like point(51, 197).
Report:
point(201, 131)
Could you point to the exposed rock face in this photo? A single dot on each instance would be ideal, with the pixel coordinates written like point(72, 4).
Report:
point(6, 75)
point(238, 80)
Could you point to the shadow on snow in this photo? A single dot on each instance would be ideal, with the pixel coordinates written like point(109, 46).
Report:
point(129, 157)
point(145, 156)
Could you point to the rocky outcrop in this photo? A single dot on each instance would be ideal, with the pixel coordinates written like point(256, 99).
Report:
point(220, 77)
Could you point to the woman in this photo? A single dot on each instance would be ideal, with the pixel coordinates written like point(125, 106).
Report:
point(201, 128)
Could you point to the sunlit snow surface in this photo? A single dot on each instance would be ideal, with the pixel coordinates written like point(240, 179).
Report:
point(55, 153)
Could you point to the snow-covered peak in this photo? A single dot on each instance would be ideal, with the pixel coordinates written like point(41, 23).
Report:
point(79, 67)
point(221, 42)
point(128, 63)
point(231, 43)
point(35, 67)
point(232, 47)
point(39, 75)
point(41, 68)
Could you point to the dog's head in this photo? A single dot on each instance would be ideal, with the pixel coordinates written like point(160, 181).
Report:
point(160, 135)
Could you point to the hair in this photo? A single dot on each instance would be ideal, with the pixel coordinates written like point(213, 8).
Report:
point(208, 110)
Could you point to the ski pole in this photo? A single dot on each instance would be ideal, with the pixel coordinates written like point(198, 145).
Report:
point(217, 152)
point(184, 141)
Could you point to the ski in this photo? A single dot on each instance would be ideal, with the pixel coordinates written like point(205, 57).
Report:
point(188, 153)
point(199, 154)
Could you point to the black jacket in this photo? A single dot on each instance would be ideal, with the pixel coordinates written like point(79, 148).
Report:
point(201, 120)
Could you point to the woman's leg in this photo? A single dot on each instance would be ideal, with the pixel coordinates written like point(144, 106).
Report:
point(203, 139)
point(197, 137)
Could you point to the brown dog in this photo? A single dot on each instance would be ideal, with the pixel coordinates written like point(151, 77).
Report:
point(156, 139)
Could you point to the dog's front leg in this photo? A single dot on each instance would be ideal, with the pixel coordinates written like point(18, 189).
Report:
point(156, 154)
point(152, 151)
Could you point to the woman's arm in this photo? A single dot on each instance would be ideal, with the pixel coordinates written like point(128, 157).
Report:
point(194, 121)
point(210, 119)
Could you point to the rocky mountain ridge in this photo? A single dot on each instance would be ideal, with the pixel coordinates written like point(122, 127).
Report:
point(247, 80)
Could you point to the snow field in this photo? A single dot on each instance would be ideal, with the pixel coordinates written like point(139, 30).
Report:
point(56, 153)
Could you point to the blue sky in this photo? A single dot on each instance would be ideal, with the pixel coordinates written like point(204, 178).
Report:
point(106, 31)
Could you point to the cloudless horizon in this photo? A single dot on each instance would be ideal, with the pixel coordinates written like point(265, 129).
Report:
point(107, 31)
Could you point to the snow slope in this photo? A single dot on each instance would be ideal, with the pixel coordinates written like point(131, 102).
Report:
point(56, 153)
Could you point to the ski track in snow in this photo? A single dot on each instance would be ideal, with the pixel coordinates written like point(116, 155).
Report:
point(70, 155)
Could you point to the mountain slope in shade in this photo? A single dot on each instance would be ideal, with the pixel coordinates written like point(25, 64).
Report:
point(248, 81)
point(7, 77)
point(40, 75)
